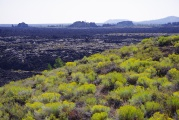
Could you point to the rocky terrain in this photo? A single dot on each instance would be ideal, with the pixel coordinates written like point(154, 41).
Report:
point(27, 51)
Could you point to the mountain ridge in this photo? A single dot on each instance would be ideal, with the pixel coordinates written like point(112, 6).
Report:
point(164, 20)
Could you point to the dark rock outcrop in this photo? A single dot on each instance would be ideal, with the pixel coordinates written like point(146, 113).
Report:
point(108, 25)
point(125, 24)
point(22, 25)
point(171, 24)
point(82, 24)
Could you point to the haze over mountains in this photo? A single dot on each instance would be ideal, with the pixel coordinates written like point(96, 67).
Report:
point(165, 20)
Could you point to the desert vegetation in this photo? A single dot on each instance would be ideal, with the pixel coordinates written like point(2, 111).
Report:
point(135, 82)
point(25, 51)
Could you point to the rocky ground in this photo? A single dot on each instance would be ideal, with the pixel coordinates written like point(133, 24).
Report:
point(24, 55)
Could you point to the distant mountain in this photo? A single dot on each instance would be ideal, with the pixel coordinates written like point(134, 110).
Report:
point(115, 21)
point(166, 20)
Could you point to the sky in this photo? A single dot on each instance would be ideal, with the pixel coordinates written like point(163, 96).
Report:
point(69, 11)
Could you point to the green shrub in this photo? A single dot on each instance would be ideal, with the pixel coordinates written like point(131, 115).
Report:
point(129, 112)
point(141, 97)
point(58, 109)
point(167, 85)
point(126, 51)
point(71, 64)
point(170, 40)
point(135, 65)
point(110, 78)
point(86, 89)
point(68, 89)
point(176, 47)
point(99, 109)
point(148, 41)
point(124, 93)
point(83, 68)
point(39, 79)
point(35, 105)
point(178, 112)
point(159, 116)
point(176, 94)
point(58, 63)
point(91, 76)
point(145, 81)
point(173, 103)
point(90, 100)
point(18, 93)
point(174, 74)
point(47, 97)
point(163, 41)
point(79, 77)
point(61, 74)
point(28, 116)
point(174, 58)
point(12, 111)
point(158, 82)
point(96, 58)
point(100, 116)
point(152, 107)
point(148, 52)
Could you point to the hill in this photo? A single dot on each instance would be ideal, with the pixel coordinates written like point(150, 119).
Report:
point(114, 21)
point(135, 82)
point(166, 20)
point(169, 19)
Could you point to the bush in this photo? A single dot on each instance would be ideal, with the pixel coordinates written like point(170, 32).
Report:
point(90, 100)
point(28, 116)
point(110, 78)
point(99, 109)
point(159, 116)
point(124, 93)
point(20, 94)
point(148, 52)
point(176, 47)
point(86, 89)
point(173, 104)
point(58, 63)
point(91, 76)
point(47, 97)
point(158, 82)
point(12, 111)
point(152, 107)
point(68, 89)
point(79, 77)
point(126, 51)
point(135, 65)
point(174, 58)
point(71, 64)
point(141, 97)
point(174, 75)
point(170, 40)
point(145, 81)
point(176, 94)
point(100, 116)
point(167, 86)
point(129, 112)
point(58, 109)
point(35, 105)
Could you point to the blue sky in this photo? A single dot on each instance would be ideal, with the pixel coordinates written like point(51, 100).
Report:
point(68, 11)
